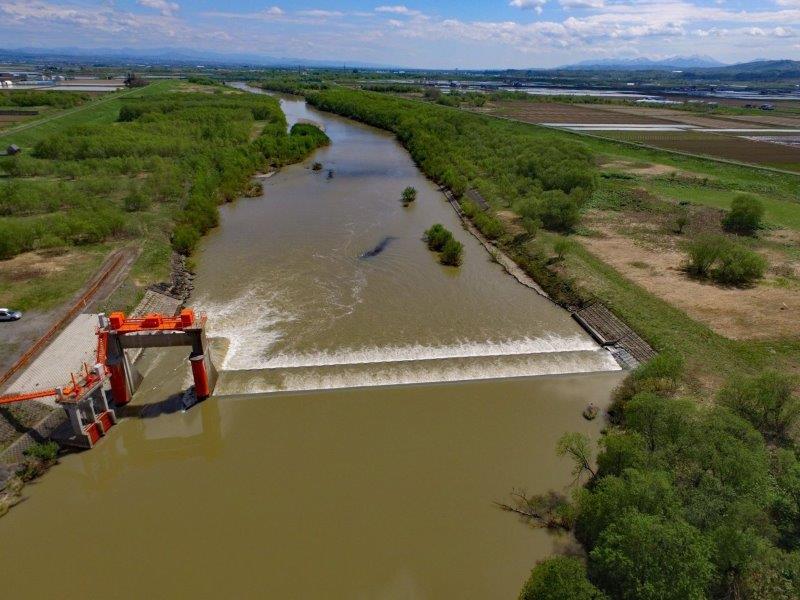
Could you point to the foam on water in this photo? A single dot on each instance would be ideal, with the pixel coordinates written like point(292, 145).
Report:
point(406, 372)
point(419, 352)
point(250, 325)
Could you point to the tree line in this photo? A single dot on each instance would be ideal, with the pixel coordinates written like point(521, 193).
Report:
point(180, 153)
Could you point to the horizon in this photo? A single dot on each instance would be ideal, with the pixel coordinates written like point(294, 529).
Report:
point(515, 34)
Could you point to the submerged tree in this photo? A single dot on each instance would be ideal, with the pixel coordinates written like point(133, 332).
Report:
point(409, 195)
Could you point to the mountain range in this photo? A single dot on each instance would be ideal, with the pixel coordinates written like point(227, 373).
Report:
point(647, 64)
point(185, 56)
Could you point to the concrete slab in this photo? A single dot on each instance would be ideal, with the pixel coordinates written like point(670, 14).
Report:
point(76, 345)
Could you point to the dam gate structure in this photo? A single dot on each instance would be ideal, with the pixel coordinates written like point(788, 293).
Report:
point(155, 331)
point(85, 398)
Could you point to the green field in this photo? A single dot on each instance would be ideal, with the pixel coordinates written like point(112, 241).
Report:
point(103, 110)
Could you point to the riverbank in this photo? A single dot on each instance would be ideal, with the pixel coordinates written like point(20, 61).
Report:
point(571, 273)
point(289, 280)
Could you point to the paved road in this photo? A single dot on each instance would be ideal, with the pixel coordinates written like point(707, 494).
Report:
point(76, 345)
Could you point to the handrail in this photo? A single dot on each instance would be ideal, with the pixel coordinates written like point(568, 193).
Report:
point(77, 307)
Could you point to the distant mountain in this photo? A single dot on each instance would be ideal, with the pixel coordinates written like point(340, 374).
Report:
point(647, 64)
point(761, 71)
point(176, 56)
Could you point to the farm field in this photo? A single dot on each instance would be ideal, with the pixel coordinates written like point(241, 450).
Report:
point(553, 112)
point(761, 138)
point(717, 145)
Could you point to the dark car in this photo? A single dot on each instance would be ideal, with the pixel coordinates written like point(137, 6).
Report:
point(6, 314)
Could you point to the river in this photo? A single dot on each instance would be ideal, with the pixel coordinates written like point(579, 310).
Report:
point(372, 404)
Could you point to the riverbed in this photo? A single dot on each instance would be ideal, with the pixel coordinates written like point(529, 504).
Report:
point(372, 404)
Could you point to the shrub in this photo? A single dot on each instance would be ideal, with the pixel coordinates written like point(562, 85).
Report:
point(558, 211)
point(185, 238)
point(409, 195)
point(437, 236)
point(724, 261)
point(703, 253)
point(46, 451)
point(452, 253)
point(559, 578)
point(531, 225)
point(739, 266)
point(136, 201)
point(562, 247)
point(745, 215)
point(661, 375)
point(488, 225)
point(767, 402)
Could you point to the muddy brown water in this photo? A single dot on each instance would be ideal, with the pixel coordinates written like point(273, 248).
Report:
point(372, 405)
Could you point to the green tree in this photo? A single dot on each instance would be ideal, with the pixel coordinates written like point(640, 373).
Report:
point(409, 195)
point(745, 215)
point(437, 236)
point(648, 557)
point(560, 578)
point(767, 402)
point(452, 253)
point(649, 493)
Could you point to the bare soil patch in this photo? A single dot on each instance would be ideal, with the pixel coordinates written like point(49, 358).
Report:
point(544, 112)
point(766, 311)
point(646, 169)
point(719, 145)
point(511, 221)
point(36, 264)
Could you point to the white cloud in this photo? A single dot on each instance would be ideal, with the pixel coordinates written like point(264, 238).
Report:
point(166, 8)
point(582, 3)
point(529, 4)
point(320, 14)
point(398, 9)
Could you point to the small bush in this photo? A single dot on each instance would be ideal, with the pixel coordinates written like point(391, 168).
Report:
point(739, 266)
point(437, 236)
point(745, 215)
point(185, 238)
point(531, 225)
point(46, 452)
point(559, 578)
point(704, 253)
point(136, 201)
point(452, 253)
point(724, 261)
point(562, 247)
point(409, 195)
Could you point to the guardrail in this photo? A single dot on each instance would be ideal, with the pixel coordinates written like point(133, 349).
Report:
point(81, 303)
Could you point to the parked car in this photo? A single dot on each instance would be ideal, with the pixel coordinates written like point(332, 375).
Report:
point(6, 314)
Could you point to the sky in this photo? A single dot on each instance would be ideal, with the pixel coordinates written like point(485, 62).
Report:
point(443, 34)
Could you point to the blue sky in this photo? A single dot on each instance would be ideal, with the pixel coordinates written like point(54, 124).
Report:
point(446, 33)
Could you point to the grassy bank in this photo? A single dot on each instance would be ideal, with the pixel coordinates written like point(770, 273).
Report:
point(148, 166)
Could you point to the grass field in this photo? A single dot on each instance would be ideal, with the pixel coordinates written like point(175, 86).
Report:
point(104, 109)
